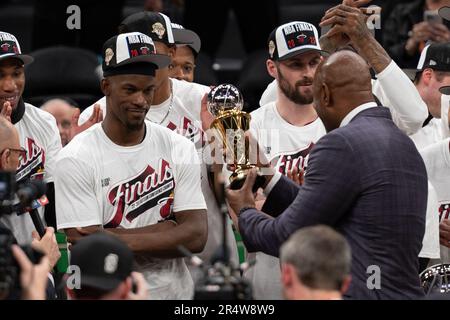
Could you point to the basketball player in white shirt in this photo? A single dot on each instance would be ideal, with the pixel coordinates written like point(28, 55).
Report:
point(38, 134)
point(132, 178)
point(176, 105)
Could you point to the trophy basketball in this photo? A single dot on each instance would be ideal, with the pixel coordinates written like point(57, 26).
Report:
point(225, 103)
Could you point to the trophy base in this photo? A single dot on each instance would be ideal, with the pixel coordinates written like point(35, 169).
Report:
point(237, 180)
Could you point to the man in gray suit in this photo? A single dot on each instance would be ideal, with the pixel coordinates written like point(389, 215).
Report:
point(365, 178)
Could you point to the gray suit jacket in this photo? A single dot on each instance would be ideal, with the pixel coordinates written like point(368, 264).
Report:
point(368, 181)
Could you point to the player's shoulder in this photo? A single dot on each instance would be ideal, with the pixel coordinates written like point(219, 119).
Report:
point(185, 87)
point(40, 119)
point(264, 112)
point(166, 136)
point(83, 145)
point(36, 113)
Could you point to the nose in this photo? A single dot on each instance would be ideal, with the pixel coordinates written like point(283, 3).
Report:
point(140, 99)
point(310, 71)
point(178, 73)
point(8, 84)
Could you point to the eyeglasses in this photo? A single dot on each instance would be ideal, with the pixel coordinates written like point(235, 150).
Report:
point(21, 151)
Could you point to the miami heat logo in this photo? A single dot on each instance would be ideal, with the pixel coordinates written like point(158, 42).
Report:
point(5, 47)
point(144, 50)
point(33, 163)
point(286, 162)
point(136, 195)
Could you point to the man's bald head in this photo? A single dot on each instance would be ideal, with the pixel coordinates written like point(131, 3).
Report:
point(9, 139)
point(342, 83)
point(63, 113)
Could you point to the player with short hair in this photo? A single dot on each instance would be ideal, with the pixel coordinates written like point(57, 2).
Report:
point(133, 178)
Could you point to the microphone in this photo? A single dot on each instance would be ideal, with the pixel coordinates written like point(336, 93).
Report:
point(32, 196)
point(30, 191)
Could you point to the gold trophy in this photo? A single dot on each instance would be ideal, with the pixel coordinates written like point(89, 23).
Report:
point(225, 103)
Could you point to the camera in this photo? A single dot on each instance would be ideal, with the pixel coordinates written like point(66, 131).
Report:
point(15, 198)
point(10, 287)
point(222, 282)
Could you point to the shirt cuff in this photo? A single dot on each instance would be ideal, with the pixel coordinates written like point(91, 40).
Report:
point(385, 73)
point(276, 177)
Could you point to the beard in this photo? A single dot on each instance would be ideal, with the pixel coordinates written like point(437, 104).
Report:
point(292, 92)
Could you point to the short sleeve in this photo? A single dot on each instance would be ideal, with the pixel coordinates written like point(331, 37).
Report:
point(188, 192)
point(76, 203)
point(52, 150)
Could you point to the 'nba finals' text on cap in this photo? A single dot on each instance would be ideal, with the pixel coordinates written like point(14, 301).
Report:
point(104, 261)
point(10, 48)
point(435, 56)
point(132, 53)
point(186, 37)
point(293, 38)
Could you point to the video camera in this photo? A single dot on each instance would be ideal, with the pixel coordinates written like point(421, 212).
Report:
point(16, 198)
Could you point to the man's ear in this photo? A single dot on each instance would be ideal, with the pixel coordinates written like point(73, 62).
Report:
point(272, 68)
point(427, 74)
point(105, 85)
point(4, 159)
point(346, 284)
point(287, 275)
point(172, 52)
point(325, 95)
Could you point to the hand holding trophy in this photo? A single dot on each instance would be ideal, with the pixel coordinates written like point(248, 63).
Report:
point(225, 103)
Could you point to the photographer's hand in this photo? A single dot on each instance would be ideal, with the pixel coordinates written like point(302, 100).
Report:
point(33, 278)
point(141, 287)
point(47, 245)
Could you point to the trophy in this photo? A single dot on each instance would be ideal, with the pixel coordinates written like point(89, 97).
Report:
point(225, 103)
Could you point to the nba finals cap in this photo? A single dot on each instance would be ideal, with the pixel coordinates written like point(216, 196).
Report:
point(435, 56)
point(444, 12)
point(186, 37)
point(10, 48)
point(132, 53)
point(154, 24)
point(104, 261)
point(293, 38)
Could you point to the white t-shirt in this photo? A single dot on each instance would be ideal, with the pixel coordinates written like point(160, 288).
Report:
point(184, 118)
point(437, 161)
point(286, 146)
point(39, 135)
point(428, 135)
point(100, 183)
point(394, 90)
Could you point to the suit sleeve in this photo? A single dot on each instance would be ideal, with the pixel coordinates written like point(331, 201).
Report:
point(330, 187)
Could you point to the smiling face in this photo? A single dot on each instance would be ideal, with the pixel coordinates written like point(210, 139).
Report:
point(129, 98)
point(183, 64)
point(12, 81)
point(295, 76)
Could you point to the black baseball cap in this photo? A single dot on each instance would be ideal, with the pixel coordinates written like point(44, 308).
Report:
point(154, 24)
point(104, 261)
point(10, 48)
point(435, 56)
point(291, 39)
point(132, 53)
point(186, 37)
